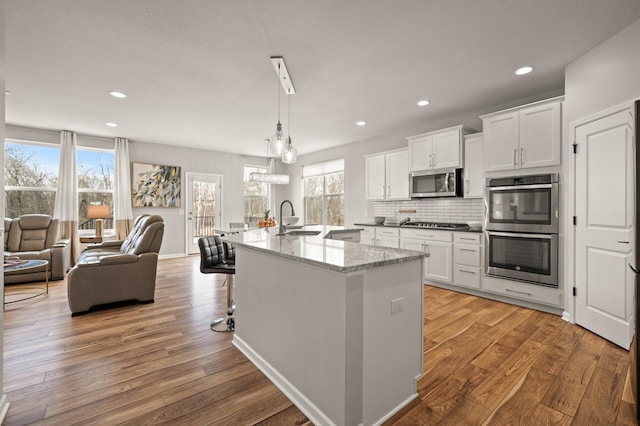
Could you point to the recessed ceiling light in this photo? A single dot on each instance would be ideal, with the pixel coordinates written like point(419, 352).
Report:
point(361, 123)
point(118, 94)
point(523, 70)
point(111, 124)
point(423, 102)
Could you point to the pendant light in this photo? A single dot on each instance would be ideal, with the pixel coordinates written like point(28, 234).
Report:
point(289, 154)
point(278, 142)
point(269, 177)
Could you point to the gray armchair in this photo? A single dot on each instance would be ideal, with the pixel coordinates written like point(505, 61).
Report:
point(116, 271)
point(35, 236)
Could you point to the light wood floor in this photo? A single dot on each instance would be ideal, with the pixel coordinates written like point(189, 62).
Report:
point(485, 363)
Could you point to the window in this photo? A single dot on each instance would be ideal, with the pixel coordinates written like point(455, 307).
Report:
point(30, 178)
point(95, 183)
point(324, 192)
point(256, 195)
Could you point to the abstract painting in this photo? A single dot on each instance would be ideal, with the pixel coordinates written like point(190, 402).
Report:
point(155, 185)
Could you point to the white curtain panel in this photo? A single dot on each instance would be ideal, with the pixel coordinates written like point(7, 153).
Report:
point(66, 207)
point(122, 211)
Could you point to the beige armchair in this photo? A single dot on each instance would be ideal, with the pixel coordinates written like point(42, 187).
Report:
point(116, 271)
point(35, 236)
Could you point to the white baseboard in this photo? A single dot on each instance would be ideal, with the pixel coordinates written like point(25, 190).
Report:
point(4, 408)
point(395, 410)
point(566, 316)
point(315, 414)
point(171, 256)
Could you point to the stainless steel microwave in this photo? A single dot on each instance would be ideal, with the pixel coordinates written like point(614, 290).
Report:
point(436, 183)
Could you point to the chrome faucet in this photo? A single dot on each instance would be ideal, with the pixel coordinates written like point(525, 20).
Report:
point(281, 229)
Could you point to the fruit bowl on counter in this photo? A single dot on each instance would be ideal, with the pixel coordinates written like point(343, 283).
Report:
point(266, 221)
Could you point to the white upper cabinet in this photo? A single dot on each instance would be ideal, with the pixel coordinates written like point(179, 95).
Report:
point(473, 166)
point(523, 137)
point(387, 175)
point(397, 174)
point(436, 150)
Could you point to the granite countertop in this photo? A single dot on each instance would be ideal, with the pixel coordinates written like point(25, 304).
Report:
point(410, 227)
point(340, 256)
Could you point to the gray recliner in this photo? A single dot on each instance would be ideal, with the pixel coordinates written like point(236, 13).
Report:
point(116, 271)
point(35, 236)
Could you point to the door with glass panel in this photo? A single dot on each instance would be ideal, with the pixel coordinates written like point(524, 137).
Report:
point(203, 208)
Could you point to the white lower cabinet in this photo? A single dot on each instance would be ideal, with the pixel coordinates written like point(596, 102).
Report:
point(380, 236)
point(438, 265)
point(467, 257)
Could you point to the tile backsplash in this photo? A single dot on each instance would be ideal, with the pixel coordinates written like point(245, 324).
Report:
point(452, 210)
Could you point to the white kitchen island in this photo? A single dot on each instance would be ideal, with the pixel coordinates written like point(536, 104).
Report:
point(315, 315)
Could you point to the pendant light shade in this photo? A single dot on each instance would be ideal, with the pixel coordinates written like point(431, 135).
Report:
point(290, 154)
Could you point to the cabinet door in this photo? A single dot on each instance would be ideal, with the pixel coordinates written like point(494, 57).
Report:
point(540, 135)
point(375, 177)
point(446, 149)
point(420, 151)
point(368, 235)
point(501, 142)
point(393, 242)
point(473, 167)
point(439, 264)
point(398, 175)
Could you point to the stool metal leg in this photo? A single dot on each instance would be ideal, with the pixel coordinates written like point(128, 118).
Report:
point(228, 323)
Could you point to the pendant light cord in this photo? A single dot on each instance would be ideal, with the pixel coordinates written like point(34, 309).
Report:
point(289, 119)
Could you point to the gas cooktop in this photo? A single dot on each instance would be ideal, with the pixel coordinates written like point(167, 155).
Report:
point(435, 225)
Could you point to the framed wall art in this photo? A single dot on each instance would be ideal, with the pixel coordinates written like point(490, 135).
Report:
point(155, 185)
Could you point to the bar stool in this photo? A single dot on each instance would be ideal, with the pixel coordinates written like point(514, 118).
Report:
point(217, 257)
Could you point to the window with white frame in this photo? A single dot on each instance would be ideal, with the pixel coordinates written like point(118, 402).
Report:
point(95, 183)
point(323, 185)
point(30, 177)
point(256, 195)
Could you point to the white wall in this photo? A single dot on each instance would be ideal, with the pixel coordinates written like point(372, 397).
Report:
point(3, 402)
point(606, 76)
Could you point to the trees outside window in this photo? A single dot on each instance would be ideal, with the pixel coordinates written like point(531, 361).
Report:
point(95, 183)
point(256, 196)
point(31, 179)
point(324, 199)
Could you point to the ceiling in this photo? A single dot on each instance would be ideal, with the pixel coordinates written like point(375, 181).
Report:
point(197, 73)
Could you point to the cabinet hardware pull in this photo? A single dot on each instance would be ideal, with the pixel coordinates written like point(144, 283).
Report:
point(384, 195)
point(521, 156)
point(515, 156)
point(468, 272)
point(519, 292)
point(623, 242)
point(463, 249)
point(467, 239)
point(388, 190)
point(347, 238)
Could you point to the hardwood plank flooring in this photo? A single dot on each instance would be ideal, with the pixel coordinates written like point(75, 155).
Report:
point(485, 363)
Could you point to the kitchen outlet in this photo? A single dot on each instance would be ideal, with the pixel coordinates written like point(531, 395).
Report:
point(397, 305)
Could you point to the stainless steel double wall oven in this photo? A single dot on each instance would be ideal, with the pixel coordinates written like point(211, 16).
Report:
point(521, 224)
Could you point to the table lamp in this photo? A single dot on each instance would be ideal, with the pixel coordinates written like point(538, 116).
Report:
point(98, 213)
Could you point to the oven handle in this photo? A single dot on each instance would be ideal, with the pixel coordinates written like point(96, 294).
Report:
point(538, 186)
point(519, 235)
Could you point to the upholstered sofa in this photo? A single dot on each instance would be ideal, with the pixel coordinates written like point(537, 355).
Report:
point(117, 271)
point(36, 236)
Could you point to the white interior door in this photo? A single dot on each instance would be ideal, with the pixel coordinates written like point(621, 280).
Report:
point(604, 301)
point(204, 208)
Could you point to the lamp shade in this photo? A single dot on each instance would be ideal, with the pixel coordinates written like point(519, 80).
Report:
point(98, 212)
